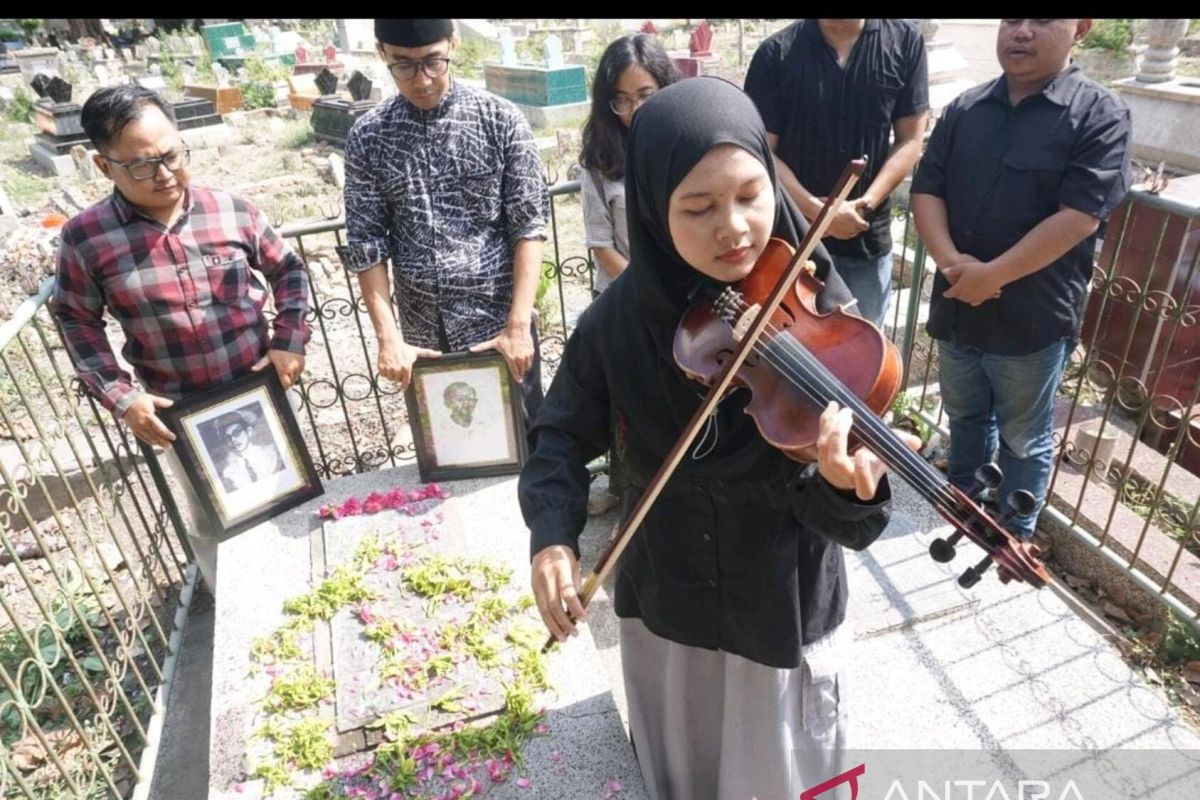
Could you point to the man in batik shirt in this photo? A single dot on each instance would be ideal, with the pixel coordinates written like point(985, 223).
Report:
point(445, 181)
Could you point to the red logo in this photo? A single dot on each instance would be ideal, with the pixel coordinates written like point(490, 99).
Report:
point(850, 776)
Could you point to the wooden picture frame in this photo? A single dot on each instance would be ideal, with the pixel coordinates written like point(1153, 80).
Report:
point(467, 417)
point(241, 447)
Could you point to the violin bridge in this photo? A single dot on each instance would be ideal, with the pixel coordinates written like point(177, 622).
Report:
point(744, 321)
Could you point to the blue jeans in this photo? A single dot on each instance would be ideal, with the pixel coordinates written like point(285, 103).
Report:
point(1006, 404)
point(870, 281)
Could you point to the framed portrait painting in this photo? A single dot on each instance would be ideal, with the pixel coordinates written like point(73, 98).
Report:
point(241, 447)
point(466, 417)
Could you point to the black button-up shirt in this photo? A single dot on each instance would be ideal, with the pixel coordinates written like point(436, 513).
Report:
point(742, 551)
point(1001, 170)
point(825, 115)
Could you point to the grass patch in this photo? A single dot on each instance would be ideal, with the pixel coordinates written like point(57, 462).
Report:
point(297, 134)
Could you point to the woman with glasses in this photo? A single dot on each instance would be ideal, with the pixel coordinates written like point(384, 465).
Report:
point(631, 69)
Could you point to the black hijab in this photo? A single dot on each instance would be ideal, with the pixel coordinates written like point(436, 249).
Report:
point(675, 128)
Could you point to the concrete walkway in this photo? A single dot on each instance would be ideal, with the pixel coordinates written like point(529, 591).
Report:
point(944, 677)
point(992, 677)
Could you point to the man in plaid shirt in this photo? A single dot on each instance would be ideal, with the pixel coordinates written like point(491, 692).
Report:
point(172, 263)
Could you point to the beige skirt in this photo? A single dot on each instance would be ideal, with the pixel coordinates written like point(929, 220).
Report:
point(708, 724)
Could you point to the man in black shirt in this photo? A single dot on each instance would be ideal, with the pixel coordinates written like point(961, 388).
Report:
point(830, 90)
point(1010, 195)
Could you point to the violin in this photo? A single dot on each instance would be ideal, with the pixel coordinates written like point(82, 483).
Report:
point(803, 360)
point(766, 334)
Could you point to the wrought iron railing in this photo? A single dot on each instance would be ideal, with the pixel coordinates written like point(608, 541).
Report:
point(96, 574)
point(91, 575)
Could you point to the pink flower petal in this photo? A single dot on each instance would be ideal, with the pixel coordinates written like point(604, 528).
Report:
point(614, 785)
point(524, 783)
point(555, 756)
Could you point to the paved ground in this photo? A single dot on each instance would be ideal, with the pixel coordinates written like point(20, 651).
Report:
point(181, 771)
point(996, 675)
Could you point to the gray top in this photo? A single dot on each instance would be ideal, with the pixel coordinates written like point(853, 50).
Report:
point(604, 223)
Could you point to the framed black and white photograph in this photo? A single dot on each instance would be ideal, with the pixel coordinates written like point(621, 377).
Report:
point(466, 417)
point(242, 450)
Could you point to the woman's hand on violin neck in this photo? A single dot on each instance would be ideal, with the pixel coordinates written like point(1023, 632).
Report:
point(556, 589)
point(860, 472)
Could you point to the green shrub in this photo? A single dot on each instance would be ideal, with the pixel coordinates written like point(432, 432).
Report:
point(204, 69)
point(1180, 643)
point(473, 54)
point(21, 107)
point(258, 95)
point(258, 70)
point(1114, 35)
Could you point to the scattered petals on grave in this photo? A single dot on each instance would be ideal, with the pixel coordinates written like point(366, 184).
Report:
point(410, 502)
point(439, 745)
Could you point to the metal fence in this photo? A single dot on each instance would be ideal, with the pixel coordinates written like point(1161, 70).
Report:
point(92, 576)
point(88, 630)
point(1127, 423)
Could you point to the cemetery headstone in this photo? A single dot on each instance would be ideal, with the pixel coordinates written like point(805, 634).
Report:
point(508, 51)
point(545, 94)
point(302, 91)
point(153, 81)
point(195, 112)
point(359, 85)
point(699, 59)
point(332, 116)
point(57, 119)
point(553, 50)
point(700, 42)
point(58, 90)
point(40, 83)
point(326, 82)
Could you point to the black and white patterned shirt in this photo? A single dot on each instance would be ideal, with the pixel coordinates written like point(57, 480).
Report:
point(445, 194)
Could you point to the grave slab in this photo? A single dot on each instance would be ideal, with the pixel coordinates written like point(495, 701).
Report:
point(586, 746)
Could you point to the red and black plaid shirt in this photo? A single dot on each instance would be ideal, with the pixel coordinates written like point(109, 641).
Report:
point(185, 296)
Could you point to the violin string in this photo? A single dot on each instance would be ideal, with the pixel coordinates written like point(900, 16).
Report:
point(871, 428)
point(868, 426)
point(902, 459)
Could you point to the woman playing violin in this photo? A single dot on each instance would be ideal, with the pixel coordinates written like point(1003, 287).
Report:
point(731, 594)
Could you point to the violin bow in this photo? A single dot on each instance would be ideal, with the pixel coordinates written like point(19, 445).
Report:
point(617, 545)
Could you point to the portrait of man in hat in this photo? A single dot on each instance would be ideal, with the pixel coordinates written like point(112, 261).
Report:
point(240, 460)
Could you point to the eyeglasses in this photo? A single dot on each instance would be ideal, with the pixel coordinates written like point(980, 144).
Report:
point(627, 105)
point(146, 168)
point(433, 67)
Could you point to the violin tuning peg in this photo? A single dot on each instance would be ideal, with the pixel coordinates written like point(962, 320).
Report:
point(942, 550)
point(973, 574)
point(987, 477)
point(1021, 503)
